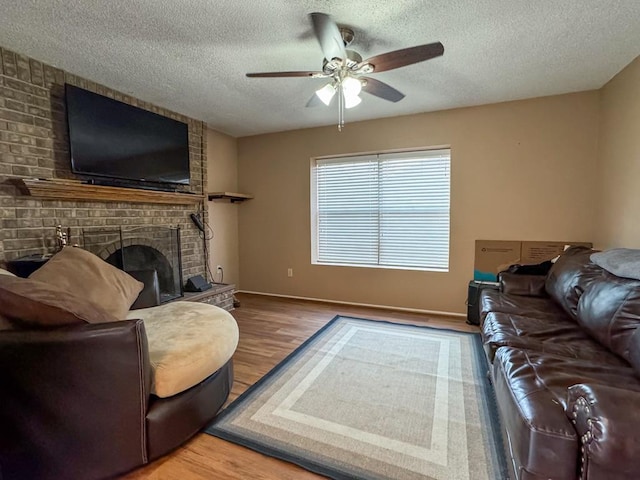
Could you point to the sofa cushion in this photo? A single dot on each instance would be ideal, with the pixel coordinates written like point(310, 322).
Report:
point(522, 284)
point(610, 311)
point(188, 341)
point(84, 274)
point(536, 307)
point(548, 335)
point(30, 303)
point(570, 275)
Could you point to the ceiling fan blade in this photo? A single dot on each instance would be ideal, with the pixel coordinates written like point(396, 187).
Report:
point(405, 56)
point(328, 36)
point(287, 74)
point(382, 90)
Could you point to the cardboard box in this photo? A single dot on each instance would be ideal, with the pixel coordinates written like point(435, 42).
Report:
point(532, 253)
point(494, 256)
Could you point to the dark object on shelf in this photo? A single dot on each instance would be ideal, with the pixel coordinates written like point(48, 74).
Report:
point(25, 266)
point(536, 269)
point(197, 284)
point(473, 300)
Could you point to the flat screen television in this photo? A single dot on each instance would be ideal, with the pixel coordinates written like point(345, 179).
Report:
point(118, 144)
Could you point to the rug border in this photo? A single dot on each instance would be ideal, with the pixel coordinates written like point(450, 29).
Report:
point(313, 466)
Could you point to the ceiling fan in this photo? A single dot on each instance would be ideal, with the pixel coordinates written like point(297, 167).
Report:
point(347, 71)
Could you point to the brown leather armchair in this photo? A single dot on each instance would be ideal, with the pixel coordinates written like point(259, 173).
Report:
point(75, 402)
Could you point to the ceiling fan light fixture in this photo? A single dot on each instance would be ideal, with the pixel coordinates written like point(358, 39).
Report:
point(345, 68)
point(326, 93)
point(351, 87)
point(351, 101)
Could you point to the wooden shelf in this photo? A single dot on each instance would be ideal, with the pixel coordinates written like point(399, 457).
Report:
point(73, 190)
point(233, 197)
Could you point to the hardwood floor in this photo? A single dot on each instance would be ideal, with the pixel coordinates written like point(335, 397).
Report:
point(270, 329)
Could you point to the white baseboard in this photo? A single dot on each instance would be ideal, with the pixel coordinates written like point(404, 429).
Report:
point(382, 307)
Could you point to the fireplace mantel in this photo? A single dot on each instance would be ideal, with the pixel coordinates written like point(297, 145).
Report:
point(73, 190)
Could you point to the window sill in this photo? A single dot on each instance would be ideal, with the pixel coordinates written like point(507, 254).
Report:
point(382, 267)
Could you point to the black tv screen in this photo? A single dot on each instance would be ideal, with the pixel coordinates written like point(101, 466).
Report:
point(112, 140)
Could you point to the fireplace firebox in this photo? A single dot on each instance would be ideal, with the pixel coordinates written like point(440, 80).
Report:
point(141, 248)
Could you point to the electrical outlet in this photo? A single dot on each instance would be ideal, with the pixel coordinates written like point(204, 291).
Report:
point(289, 272)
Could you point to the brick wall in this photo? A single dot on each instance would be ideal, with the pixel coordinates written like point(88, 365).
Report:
point(33, 143)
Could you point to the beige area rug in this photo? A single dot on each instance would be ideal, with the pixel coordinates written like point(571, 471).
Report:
point(375, 400)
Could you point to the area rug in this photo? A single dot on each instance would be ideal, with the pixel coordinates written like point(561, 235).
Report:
point(376, 400)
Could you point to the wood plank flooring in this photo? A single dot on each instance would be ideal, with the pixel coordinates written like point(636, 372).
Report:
point(270, 329)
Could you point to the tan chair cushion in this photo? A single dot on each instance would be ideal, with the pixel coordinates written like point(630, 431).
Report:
point(29, 303)
point(86, 275)
point(188, 341)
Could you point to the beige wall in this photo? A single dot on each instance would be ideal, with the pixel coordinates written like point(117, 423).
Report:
point(618, 224)
point(520, 170)
point(222, 173)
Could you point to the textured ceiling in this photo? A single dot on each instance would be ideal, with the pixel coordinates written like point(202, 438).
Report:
point(191, 55)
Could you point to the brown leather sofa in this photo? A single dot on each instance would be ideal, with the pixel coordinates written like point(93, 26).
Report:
point(565, 365)
point(75, 402)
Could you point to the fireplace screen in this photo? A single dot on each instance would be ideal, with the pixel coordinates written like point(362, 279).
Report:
point(141, 248)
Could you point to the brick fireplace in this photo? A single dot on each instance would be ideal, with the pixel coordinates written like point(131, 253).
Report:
point(33, 143)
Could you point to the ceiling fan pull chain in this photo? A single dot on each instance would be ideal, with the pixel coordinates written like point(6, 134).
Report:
point(340, 107)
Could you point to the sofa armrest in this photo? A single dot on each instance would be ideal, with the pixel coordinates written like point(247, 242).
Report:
point(526, 285)
point(607, 420)
point(73, 400)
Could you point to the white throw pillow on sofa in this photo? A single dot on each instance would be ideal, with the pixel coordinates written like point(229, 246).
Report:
point(623, 262)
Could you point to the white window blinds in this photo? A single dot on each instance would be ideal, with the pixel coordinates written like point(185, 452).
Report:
point(382, 210)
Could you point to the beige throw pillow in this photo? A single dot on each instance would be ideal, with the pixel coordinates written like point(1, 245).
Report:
point(86, 275)
point(30, 303)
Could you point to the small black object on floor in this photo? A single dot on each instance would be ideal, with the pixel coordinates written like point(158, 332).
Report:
point(197, 283)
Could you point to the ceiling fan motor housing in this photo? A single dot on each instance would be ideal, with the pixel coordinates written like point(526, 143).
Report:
point(347, 35)
point(352, 62)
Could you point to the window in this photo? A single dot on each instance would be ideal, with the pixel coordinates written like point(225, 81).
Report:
point(388, 210)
